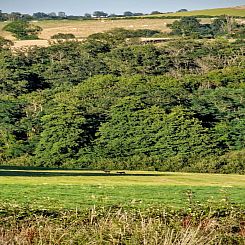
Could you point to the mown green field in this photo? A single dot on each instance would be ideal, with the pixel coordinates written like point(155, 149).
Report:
point(82, 189)
point(211, 12)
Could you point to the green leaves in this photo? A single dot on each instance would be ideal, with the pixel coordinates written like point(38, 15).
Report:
point(191, 26)
point(110, 103)
point(62, 135)
point(23, 30)
point(11, 133)
point(187, 26)
point(134, 128)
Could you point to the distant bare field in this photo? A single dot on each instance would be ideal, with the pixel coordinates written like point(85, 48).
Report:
point(39, 43)
point(84, 28)
point(24, 43)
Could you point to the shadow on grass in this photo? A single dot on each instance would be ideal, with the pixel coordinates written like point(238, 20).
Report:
point(34, 172)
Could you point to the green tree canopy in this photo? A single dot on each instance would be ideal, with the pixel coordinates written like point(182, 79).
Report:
point(134, 128)
point(23, 30)
point(186, 26)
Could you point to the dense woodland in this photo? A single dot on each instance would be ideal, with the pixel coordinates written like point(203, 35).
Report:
point(111, 102)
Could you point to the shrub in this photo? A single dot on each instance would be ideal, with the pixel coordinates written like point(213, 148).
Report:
point(5, 43)
point(23, 30)
point(63, 36)
point(231, 162)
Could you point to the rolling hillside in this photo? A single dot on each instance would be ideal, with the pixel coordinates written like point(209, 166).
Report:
point(233, 11)
point(84, 28)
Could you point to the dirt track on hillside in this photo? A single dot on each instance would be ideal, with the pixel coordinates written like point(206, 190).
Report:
point(39, 43)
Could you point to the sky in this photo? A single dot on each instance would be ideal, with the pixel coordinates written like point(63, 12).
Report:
point(79, 7)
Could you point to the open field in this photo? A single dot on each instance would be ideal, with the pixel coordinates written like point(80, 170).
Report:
point(84, 28)
point(233, 11)
point(82, 189)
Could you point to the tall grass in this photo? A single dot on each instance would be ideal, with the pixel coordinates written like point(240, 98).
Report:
point(119, 226)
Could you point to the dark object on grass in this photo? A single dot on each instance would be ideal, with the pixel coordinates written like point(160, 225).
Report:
point(121, 172)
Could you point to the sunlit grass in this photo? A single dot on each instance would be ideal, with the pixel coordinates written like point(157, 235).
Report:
point(210, 12)
point(81, 189)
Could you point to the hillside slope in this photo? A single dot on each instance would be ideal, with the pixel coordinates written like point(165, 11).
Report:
point(233, 11)
point(84, 28)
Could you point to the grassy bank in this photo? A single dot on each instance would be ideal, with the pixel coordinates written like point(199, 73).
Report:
point(92, 207)
point(233, 11)
point(198, 225)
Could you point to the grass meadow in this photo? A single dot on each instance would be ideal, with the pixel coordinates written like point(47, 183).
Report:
point(234, 11)
point(82, 189)
point(92, 207)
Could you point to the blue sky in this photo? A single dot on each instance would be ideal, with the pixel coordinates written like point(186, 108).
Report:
point(79, 7)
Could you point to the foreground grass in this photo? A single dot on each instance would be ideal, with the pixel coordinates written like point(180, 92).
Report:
point(91, 207)
point(83, 189)
point(200, 225)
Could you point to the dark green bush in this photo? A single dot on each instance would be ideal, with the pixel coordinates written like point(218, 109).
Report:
point(23, 30)
point(63, 36)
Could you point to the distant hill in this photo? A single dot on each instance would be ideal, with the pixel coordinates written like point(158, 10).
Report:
point(233, 11)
